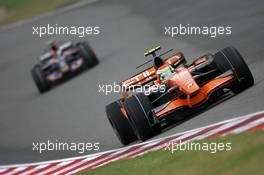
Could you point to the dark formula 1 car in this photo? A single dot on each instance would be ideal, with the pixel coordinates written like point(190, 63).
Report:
point(62, 61)
point(175, 90)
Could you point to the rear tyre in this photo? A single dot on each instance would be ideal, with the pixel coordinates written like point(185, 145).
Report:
point(141, 116)
point(40, 80)
point(229, 58)
point(88, 54)
point(120, 124)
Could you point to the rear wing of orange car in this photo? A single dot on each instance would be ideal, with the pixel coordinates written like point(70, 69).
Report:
point(149, 75)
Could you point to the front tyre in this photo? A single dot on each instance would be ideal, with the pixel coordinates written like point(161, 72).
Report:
point(88, 54)
point(141, 117)
point(229, 58)
point(40, 80)
point(120, 123)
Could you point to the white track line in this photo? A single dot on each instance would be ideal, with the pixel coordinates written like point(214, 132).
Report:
point(96, 154)
point(77, 164)
point(48, 14)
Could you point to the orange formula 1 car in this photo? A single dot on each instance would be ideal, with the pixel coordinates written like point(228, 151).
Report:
point(171, 89)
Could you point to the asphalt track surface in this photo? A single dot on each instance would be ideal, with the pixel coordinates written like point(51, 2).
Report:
point(74, 111)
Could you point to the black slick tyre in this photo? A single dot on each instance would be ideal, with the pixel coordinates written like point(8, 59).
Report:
point(40, 80)
point(141, 116)
point(230, 59)
point(119, 123)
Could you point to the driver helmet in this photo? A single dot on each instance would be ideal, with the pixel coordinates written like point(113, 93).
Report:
point(53, 46)
point(164, 72)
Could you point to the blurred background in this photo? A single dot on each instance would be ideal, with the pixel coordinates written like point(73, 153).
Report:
point(75, 111)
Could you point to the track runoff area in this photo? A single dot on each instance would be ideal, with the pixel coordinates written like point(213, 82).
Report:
point(237, 125)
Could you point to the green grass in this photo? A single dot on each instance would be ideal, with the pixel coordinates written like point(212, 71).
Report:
point(14, 10)
point(246, 157)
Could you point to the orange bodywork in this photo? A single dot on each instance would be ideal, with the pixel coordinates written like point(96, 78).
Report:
point(183, 80)
point(203, 95)
point(150, 74)
point(122, 109)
